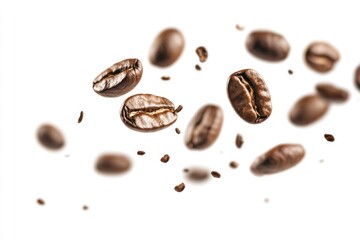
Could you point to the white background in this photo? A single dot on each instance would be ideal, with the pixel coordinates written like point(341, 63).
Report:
point(52, 50)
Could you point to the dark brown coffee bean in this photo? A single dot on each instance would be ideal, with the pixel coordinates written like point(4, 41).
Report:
point(202, 53)
point(118, 79)
point(85, 207)
point(165, 78)
point(204, 128)
point(148, 113)
point(140, 153)
point(321, 56)
point(177, 130)
point(40, 201)
point(331, 92)
point(197, 67)
point(268, 45)
point(167, 47)
point(357, 77)
point(277, 159)
point(178, 109)
point(290, 72)
point(233, 164)
point(81, 117)
point(165, 158)
point(215, 174)
point(329, 137)
point(308, 109)
point(112, 164)
point(50, 137)
point(180, 187)
point(197, 174)
point(239, 141)
point(249, 96)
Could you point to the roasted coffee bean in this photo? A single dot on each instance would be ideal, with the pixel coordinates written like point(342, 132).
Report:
point(331, 92)
point(268, 45)
point(215, 174)
point(277, 159)
point(308, 109)
point(204, 128)
point(239, 141)
point(197, 67)
point(81, 117)
point(290, 71)
point(357, 77)
point(118, 79)
point(197, 174)
point(321, 56)
point(167, 47)
point(180, 187)
point(50, 137)
point(165, 158)
point(40, 201)
point(112, 164)
point(140, 153)
point(202, 53)
point(329, 137)
point(148, 113)
point(85, 207)
point(165, 78)
point(177, 130)
point(233, 164)
point(249, 96)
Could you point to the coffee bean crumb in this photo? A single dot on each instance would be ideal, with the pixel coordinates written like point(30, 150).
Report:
point(85, 207)
point(290, 72)
point(177, 130)
point(329, 137)
point(239, 27)
point(165, 158)
point(165, 78)
point(197, 67)
point(40, 201)
point(180, 187)
point(81, 117)
point(239, 141)
point(186, 170)
point(215, 174)
point(140, 152)
point(233, 164)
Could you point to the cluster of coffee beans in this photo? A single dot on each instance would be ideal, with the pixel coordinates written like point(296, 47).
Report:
point(247, 92)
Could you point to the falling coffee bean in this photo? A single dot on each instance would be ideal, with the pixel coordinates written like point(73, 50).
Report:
point(278, 159)
point(177, 130)
point(81, 117)
point(167, 47)
point(85, 207)
point(215, 174)
point(165, 78)
point(50, 137)
point(239, 141)
point(202, 53)
point(112, 164)
point(40, 201)
point(249, 96)
point(140, 153)
point(233, 164)
point(290, 72)
point(118, 79)
point(357, 77)
point(267, 45)
point(197, 67)
point(197, 174)
point(148, 113)
point(180, 187)
point(308, 109)
point(321, 56)
point(329, 137)
point(204, 127)
point(331, 92)
point(165, 158)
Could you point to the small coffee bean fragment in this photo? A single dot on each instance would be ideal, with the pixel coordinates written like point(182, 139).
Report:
point(239, 141)
point(140, 153)
point(112, 164)
point(290, 72)
point(329, 137)
point(177, 130)
point(85, 207)
point(215, 174)
point(321, 56)
point(185, 170)
point(81, 117)
point(178, 109)
point(233, 164)
point(331, 92)
point(180, 187)
point(165, 158)
point(50, 137)
point(357, 77)
point(165, 78)
point(202, 53)
point(40, 201)
point(197, 67)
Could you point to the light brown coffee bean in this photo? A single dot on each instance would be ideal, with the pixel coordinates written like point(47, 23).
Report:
point(321, 56)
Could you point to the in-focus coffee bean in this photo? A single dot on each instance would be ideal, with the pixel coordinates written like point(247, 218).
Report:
point(140, 152)
point(180, 187)
point(165, 158)
point(308, 109)
point(249, 96)
point(197, 174)
point(331, 92)
point(81, 117)
point(204, 128)
point(50, 137)
point(267, 45)
point(113, 164)
point(357, 77)
point(167, 47)
point(197, 67)
point(329, 137)
point(215, 174)
point(278, 159)
point(85, 207)
point(321, 56)
point(148, 113)
point(239, 141)
point(202, 53)
point(177, 130)
point(118, 79)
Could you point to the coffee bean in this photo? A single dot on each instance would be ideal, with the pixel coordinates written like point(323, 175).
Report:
point(197, 67)
point(329, 137)
point(180, 187)
point(215, 174)
point(140, 153)
point(249, 96)
point(118, 79)
point(185, 170)
point(177, 130)
point(268, 45)
point(148, 113)
point(331, 92)
point(165, 78)
point(40, 201)
point(308, 109)
point(167, 47)
point(81, 117)
point(112, 164)
point(204, 128)
point(277, 159)
point(321, 56)
point(239, 141)
point(202, 53)
point(165, 158)
point(197, 174)
point(290, 72)
point(179, 108)
point(85, 207)
point(50, 137)
point(233, 164)
point(357, 77)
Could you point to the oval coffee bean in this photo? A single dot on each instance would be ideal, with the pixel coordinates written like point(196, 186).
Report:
point(118, 79)
point(204, 128)
point(277, 159)
point(308, 109)
point(167, 47)
point(50, 137)
point(321, 56)
point(249, 96)
point(268, 45)
point(112, 164)
point(148, 113)
point(331, 92)
point(357, 77)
